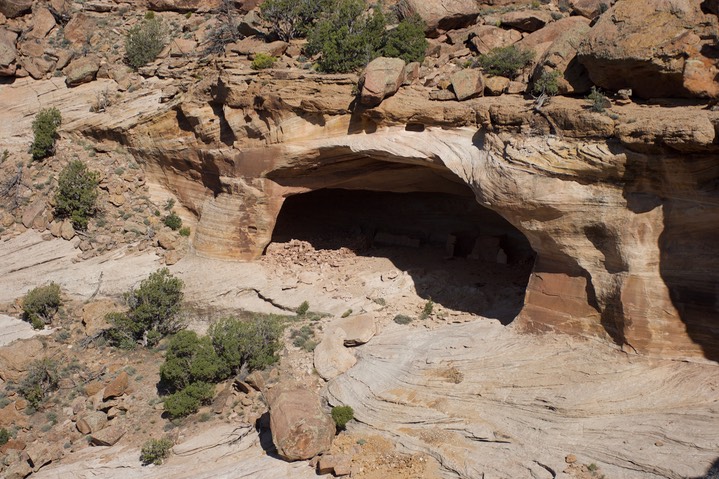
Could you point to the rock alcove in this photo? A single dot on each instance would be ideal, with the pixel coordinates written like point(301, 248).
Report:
point(428, 223)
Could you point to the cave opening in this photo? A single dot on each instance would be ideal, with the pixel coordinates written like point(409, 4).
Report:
point(458, 253)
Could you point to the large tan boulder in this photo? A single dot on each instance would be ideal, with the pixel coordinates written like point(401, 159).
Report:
point(444, 14)
point(487, 37)
point(92, 422)
point(79, 28)
point(331, 357)
point(108, 436)
point(15, 8)
point(81, 70)
point(93, 315)
point(42, 22)
point(117, 386)
point(589, 8)
point(382, 78)
point(358, 329)
point(16, 357)
point(555, 48)
point(658, 49)
point(8, 52)
point(301, 429)
point(467, 83)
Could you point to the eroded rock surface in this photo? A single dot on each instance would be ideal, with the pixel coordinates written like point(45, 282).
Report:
point(471, 395)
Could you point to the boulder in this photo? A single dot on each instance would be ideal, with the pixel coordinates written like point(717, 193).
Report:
point(31, 212)
point(495, 85)
point(557, 51)
point(444, 14)
point(81, 70)
point(67, 231)
point(15, 8)
point(15, 358)
point(42, 22)
point(467, 83)
point(254, 45)
point(382, 78)
point(658, 49)
point(301, 429)
point(8, 52)
point(92, 422)
point(526, 20)
point(108, 436)
point(167, 240)
point(358, 329)
point(331, 358)
point(79, 28)
point(10, 416)
point(589, 8)
point(38, 67)
point(93, 315)
point(487, 37)
point(117, 386)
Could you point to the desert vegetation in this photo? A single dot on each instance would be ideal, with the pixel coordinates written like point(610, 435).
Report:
point(44, 128)
point(76, 194)
point(40, 305)
point(145, 41)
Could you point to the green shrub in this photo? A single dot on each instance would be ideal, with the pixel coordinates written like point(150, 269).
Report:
point(40, 305)
point(4, 436)
point(254, 342)
point(76, 194)
point(173, 221)
point(44, 127)
point(155, 451)
point(290, 18)
point(191, 359)
point(597, 100)
point(342, 415)
point(347, 38)
point(42, 378)
point(153, 310)
point(406, 41)
point(262, 61)
point(185, 231)
point(402, 319)
point(427, 310)
point(547, 83)
point(188, 400)
point(145, 41)
point(505, 61)
point(303, 308)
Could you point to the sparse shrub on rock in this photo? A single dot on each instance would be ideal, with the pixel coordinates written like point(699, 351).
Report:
point(598, 101)
point(76, 194)
point(342, 415)
point(290, 18)
point(262, 61)
point(41, 379)
point(44, 127)
point(41, 304)
point(153, 312)
point(407, 41)
point(145, 41)
point(155, 451)
point(505, 61)
point(173, 221)
point(347, 38)
point(252, 342)
point(4, 436)
point(547, 83)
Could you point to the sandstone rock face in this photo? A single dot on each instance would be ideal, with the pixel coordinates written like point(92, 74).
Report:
point(42, 21)
point(108, 436)
point(479, 422)
point(382, 78)
point(300, 428)
point(15, 8)
point(655, 48)
point(444, 14)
